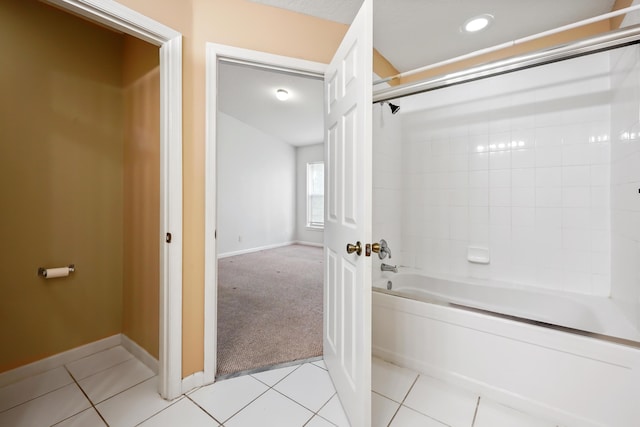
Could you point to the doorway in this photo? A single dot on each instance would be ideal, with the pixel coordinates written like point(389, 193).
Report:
point(213, 238)
point(269, 238)
point(125, 20)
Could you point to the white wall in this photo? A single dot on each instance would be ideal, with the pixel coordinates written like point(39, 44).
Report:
point(625, 179)
point(256, 188)
point(517, 164)
point(304, 155)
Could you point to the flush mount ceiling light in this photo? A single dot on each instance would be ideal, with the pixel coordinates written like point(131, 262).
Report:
point(282, 94)
point(477, 23)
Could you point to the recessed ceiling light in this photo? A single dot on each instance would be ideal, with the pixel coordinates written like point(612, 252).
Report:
point(282, 94)
point(477, 23)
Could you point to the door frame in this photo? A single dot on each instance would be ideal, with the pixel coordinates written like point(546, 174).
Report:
point(121, 18)
point(214, 53)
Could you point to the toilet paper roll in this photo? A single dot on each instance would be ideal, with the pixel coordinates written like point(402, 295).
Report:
point(52, 273)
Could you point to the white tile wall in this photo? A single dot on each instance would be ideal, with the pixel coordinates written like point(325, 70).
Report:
point(519, 163)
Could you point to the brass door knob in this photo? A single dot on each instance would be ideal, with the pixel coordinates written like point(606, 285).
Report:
point(357, 248)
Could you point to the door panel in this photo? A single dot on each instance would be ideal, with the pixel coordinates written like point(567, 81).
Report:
point(347, 329)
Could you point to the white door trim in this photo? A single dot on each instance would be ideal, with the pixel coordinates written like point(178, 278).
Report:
point(121, 18)
point(214, 53)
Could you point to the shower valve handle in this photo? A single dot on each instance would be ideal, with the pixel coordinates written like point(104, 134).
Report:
point(382, 249)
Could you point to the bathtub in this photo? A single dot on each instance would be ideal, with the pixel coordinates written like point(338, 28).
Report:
point(574, 360)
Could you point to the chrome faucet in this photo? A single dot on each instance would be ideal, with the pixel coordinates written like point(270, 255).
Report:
point(387, 267)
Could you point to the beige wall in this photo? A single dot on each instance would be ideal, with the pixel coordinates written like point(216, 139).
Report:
point(141, 269)
point(60, 181)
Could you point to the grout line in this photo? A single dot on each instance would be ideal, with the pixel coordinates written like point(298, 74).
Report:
point(403, 399)
point(105, 369)
point(98, 352)
point(244, 407)
point(36, 397)
point(298, 403)
point(128, 388)
point(280, 380)
point(204, 410)
point(85, 395)
point(475, 413)
point(410, 388)
point(176, 400)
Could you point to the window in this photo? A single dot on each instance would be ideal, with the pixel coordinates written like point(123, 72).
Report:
point(315, 195)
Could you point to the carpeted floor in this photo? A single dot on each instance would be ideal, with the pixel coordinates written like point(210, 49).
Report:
point(269, 308)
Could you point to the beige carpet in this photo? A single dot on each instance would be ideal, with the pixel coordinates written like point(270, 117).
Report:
point(269, 308)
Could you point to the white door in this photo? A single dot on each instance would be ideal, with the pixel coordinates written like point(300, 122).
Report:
point(348, 183)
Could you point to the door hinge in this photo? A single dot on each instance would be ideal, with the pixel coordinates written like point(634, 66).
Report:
point(168, 238)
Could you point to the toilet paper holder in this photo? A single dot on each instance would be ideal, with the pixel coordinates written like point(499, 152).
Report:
point(42, 272)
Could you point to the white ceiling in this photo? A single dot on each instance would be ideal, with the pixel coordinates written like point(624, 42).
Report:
point(248, 94)
point(414, 33)
point(409, 33)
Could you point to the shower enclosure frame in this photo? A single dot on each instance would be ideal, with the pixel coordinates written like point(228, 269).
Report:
point(607, 41)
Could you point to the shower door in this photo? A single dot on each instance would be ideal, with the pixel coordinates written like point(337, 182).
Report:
point(348, 183)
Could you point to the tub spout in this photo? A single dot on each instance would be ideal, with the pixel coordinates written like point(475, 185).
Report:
point(387, 267)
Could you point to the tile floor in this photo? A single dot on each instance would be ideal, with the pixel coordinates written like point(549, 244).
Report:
point(115, 389)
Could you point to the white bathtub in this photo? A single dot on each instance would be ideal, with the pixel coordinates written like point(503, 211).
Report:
point(567, 377)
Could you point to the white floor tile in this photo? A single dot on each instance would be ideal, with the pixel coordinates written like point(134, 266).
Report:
point(318, 421)
point(491, 414)
point(182, 413)
point(271, 410)
point(87, 418)
point(113, 380)
point(382, 410)
point(449, 405)
point(47, 409)
point(225, 398)
point(32, 387)
point(409, 418)
point(390, 380)
point(271, 377)
point(320, 364)
point(134, 405)
point(334, 412)
point(308, 385)
point(98, 362)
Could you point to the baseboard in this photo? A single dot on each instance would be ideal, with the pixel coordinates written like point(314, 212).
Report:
point(58, 360)
point(251, 250)
point(140, 353)
point(317, 245)
point(192, 382)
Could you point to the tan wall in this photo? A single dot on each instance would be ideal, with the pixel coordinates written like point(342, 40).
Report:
point(619, 4)
point(383, 68)
point(60, 181)
point(141, 269)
